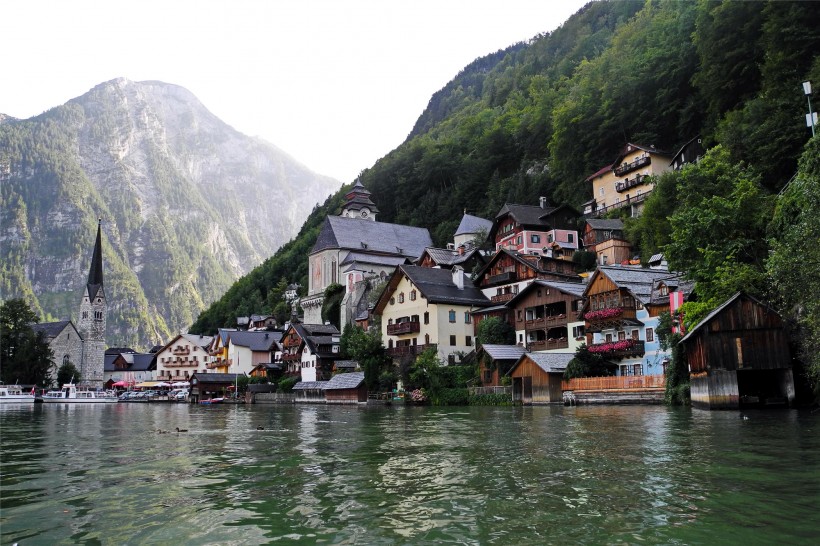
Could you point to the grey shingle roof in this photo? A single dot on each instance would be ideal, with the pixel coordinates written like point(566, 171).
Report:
point(376, 259)
point(636, 279)
point(216, 377)
point(503, 352)
point(52, 329)
point(473, 224)
point(376, 237)
point(347, 364)
point(550, 362)
point(443, 256)
point(199, 341)
point(255, 341)
point(309, 385)
point(437, 286)
point(527, 215)
point(350, 380)
point(574, 289)
point(596, 223)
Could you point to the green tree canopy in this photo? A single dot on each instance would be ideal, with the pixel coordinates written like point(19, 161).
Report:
point(25, 356)
point(493, 330)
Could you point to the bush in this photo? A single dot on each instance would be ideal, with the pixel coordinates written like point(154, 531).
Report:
point(286, 384)
point(490, 400)
point(452, 397)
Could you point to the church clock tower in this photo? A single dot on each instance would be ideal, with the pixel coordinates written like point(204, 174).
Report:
point(359, 204)
point(91, 324)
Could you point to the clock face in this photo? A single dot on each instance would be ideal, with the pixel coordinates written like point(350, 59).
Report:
point(364, 213)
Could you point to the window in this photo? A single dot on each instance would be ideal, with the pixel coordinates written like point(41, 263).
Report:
point(578, 331)
point(519, 314)
point(535, 238)
point(549, 238)
point(392, 301)
point(621, 335)
point(452, 316)
point(85, 314)
point(466, 317)
point(609, 338)
point(66, 359)
point(664, 290)
point(452, 340)
point(635, 335)
point(601, 191)
point(469, 341)
point(650, 334)
point(427, 339)
point(401, 297)
point(451, 359)
point(518, 240)
point(389, 343)
point(389, 321)
point(412, 295)
point(637, 369)
point(426, 317)
point(520, 338)
point(570, 238)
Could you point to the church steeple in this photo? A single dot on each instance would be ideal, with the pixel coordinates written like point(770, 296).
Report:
point(359, 204)
point(95, 272)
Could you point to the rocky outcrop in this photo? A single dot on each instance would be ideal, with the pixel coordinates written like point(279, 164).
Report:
point(188, 205)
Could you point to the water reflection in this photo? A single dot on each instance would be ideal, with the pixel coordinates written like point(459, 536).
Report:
point(82, 474)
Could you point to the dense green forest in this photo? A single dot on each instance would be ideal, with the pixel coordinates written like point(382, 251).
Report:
point(539, 117)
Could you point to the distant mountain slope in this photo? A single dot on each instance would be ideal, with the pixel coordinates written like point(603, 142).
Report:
point(188, 205)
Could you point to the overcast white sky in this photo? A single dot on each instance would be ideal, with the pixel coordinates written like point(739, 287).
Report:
point(335, 84)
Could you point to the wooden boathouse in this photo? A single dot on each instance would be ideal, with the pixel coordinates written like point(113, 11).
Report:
point(739, 356)
point(536, 378)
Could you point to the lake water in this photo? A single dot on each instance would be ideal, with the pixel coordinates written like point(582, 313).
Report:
point(101, 474)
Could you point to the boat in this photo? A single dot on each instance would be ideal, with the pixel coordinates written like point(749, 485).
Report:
point(13, 394)
point(212, 401)
point(71, 393)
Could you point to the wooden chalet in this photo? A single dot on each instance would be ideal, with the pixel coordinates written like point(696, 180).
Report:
point(205, 386)
point(739, 356)
point(605, 238)
point(505, 270)
point(543, 312)
point(495, 361)
point(536, 378)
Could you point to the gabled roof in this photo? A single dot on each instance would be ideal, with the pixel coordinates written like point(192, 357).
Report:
point(447, 257)
point(533, 262)
point(549, 362)
point(354, 258)
point(631, 147)
point(599, 172)
point(436, 285)
point(573, 289)
point(526, 215)
point(255, 341)
point(316, 335)
point(638, 280)
point(503, 352)
point(215, 377)
point(310, 385)
point(596, 223)
point(473, 224)
point(53, 329)
point(118, 350)
point(720, 309)
point(198, 340)
point(142, 362)
point(349, 380)
point(373, 237)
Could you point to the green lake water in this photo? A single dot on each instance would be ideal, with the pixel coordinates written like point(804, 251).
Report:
point(101, 474)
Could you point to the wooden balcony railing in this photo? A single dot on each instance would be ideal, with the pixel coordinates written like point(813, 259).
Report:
point(625, 185)
point(181, 350)
point(409, 350)
point(615, 382)
point(631, 166)
point(401, 328)
point(287, 357)
point(502, 298)
point(548, 344)
point(501, 278)
point(619, 349)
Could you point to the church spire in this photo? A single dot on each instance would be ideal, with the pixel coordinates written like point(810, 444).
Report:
point(95, 272)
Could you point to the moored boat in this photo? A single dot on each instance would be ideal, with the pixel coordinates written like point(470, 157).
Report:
point(73, 394)
point(13, 394)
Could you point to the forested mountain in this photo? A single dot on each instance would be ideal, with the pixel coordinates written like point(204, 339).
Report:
point(539, 117)
point(188, 206)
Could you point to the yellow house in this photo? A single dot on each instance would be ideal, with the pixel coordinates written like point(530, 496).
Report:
point(423, 307)
point(626, 182)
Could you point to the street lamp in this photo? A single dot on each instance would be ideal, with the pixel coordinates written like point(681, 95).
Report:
point(811, 117)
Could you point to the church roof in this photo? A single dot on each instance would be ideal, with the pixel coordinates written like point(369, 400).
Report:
point(373, 237)
point(473, 224)
point(52, 329)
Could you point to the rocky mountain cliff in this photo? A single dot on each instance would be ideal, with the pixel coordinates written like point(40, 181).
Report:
point(188, 206)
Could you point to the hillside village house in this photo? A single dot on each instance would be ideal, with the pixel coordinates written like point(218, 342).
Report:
point(536, 378)
point(622, 304)
point(353, 246)
point(540, 230)
point(425, 307)
point(129, 367)
point(183, 356)
point(310, 350)
point(605, 238)
point(547, 316)
point(625, 182)
point(472, 231)
point(248, 349)
point(495, 361)
point(218, 351)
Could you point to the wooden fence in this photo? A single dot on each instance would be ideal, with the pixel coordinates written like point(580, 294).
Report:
point(615, 382)
point(490, 390)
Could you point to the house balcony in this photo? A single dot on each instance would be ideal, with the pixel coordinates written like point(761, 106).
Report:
point(295, 357)
point(402, 328)
point(610, 318)
point(630, 200)
point(409, 350)
point(181, 351)
point(220, 363)
point(502, 298)
point(618, 349)
point(183, 364)
point(629, 167)
point(548, 344)
point(629, 183)
point(502, 278)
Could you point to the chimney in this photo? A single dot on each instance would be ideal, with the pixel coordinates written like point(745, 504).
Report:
point(458, 277)
point(543, 202)
point(461, 250)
